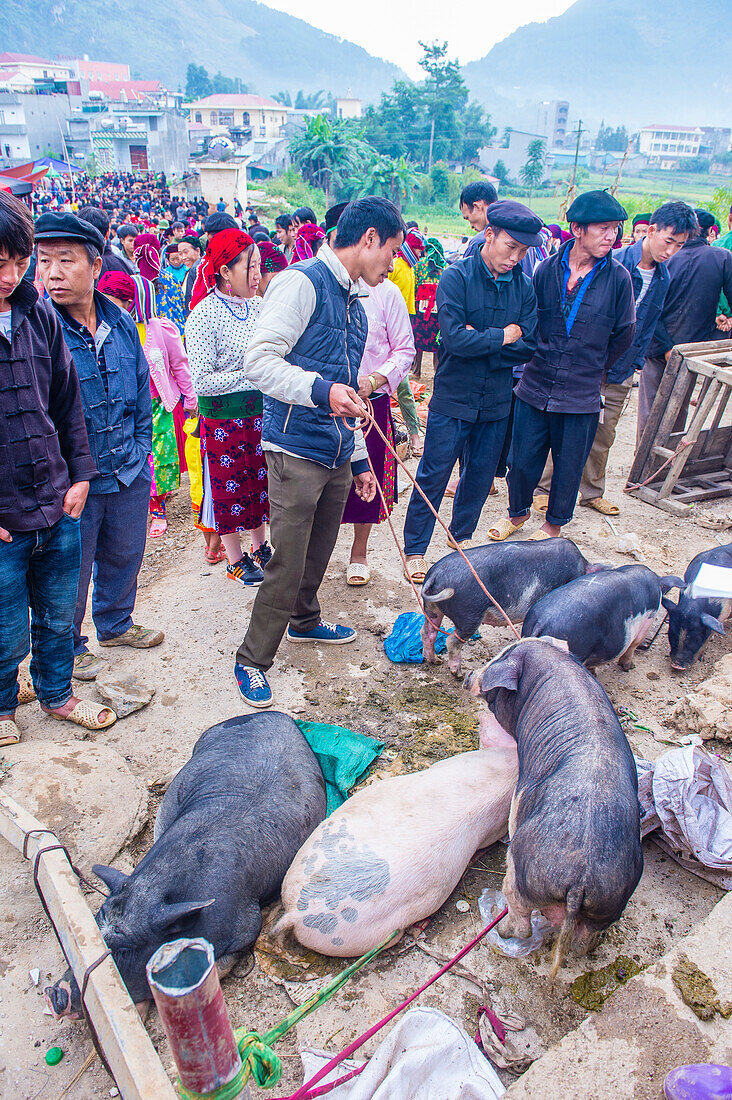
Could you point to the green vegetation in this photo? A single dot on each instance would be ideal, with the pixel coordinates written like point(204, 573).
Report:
point(199, 84)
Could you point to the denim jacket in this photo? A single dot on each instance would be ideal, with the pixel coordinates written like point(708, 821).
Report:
point(118, 416)
point(647, 312)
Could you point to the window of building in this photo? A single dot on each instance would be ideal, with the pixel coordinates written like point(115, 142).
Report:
point(226, 118)
point(214, 118)
point(198, 116)
point(2, 118)
point(245, 118)
point(152, 124)
point(7, 151)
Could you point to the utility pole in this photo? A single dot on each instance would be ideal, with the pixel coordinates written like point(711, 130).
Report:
point(432, 142)
point(580, 132)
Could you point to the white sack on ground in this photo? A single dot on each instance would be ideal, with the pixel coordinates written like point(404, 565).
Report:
point(692, 792)
point(425, 1056)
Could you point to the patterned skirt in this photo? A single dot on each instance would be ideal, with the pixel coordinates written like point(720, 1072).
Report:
point(166, 469)
point(237, 471)
point(357, 510)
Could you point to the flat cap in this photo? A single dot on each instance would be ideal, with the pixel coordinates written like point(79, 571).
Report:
point(519, 222)
point(216, 222)
point(594, 207)
point(68, 227)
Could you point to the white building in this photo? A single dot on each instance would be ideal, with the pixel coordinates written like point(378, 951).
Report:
point(31, 126)
point(552, 120)
point(348, 107)
point(242, 117)
point(667, 146)
point(35, 68)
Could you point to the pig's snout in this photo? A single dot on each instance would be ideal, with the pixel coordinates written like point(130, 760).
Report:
point(64, 998)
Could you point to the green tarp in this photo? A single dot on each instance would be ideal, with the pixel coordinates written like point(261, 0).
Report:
point(343, 755)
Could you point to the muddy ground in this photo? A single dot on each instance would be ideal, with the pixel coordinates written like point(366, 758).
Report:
point(423, 715)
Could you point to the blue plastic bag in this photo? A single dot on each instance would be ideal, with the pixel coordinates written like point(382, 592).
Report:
point(404, 644)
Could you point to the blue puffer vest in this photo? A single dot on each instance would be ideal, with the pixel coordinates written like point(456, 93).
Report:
point(332, 344)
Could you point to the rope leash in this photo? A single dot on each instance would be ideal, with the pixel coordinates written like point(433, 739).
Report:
point(368, 422)
point(684, 443)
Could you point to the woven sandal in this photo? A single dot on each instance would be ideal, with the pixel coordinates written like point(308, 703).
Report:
point(357, 573)
point(503, 529)
point(539, 536)
point(26, 691)
point(540, 503)
point(9, 732)
point(86, 714)
point(604, 507)
point(416, 570)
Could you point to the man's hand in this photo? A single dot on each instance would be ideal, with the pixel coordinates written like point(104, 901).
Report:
point(667, 354)
point(75, 499)
point(511, 334)
point(365, 486)
point(5, 535)
point(724, 323)
point(344, 401)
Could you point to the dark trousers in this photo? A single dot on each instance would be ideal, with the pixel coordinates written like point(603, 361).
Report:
point(113, 533)
point(536, 433)
point(306, 505)
point(39, 570)
point(447, 439)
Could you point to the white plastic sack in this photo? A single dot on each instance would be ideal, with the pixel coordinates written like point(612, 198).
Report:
point(692, 792)
point(425, 1056)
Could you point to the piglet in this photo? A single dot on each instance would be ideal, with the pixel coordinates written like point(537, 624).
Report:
point(517, 574)
point(602, 616)
point(395, 851)
point(575, 849)
point(692, 621)
point(227, 829)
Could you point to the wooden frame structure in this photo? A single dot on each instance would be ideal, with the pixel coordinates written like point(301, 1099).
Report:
point(126, 1045)
point(702, 470)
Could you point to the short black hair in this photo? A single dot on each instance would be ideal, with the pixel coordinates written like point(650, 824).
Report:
point(96, 217)
point(705, 220)
point(412, 225)
point(369, 213)
point(678, 216)
point(178, 225)
point(305, 214)
point(259, 234)
point(127, 230)
point(194, 242)
point(16, 227)
point(477, 191)
point(283, 222)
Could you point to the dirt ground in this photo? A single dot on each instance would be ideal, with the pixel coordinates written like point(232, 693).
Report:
point(423, 715)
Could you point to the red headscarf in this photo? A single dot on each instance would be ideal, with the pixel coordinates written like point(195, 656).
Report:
point(118, 284)
point(147, 254)
point(222, 248)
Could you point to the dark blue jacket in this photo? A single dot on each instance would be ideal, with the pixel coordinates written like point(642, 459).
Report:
point(332, 344)
point(698, 275)
point(646, 314)
point(567, 369)
point(118, 416)
point(474, 377)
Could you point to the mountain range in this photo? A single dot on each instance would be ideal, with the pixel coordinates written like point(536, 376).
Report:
point(269, 50)
point(631, 62)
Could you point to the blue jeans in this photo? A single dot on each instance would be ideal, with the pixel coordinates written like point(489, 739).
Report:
point(446, 439)
point(113, 533)
point(39, 570)
point(536, 432)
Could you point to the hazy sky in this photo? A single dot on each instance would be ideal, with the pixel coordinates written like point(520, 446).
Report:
point(392, 28)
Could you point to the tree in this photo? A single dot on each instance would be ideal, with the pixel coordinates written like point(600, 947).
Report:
point(284, 98)
point(393, 178)
point(198, 82)
point(226, 85)
point(440, 183)
point(500, 171)
point(506, 138)
point(330, 152)
point(610, 140)
point(532, 172)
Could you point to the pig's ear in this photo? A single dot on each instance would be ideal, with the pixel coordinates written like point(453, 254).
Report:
point(668, 604)
point(667, 583)
point(177, 912)
point(503, 673)
point(711, 623)
point(111, 878)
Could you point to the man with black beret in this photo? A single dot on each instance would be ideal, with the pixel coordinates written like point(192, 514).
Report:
point(217, 222)
point(486, 309)
point(586, 321)
point(115, 394)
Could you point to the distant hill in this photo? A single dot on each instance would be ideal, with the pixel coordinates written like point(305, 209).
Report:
point(636, 62)
point(269, 50)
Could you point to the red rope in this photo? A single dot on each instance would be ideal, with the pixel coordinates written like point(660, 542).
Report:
point(367, 423)
point(684, 443)
point(306, 1091)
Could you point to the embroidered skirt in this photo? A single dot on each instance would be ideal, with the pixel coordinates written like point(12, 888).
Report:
point(166, 469)
point(357, 510)
point(231, 448)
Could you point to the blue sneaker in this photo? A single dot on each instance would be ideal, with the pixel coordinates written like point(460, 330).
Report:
point(253, 686)
point(328, 633)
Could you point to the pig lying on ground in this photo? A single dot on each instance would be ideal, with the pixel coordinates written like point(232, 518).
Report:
point(517, 574)
point(691, 621)
point(227, 829)
point(395, 851)
point(601, 616)
point(575, 850)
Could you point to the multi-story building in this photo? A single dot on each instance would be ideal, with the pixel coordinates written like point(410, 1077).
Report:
point(241, 117)
point(32, 126)
point(669, 146)
point(85, 69)
point(552, 117)
point(129, 137)
point(35, 68)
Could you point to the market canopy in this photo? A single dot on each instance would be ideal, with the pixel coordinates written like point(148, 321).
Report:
point(57, 167)
point(15, 186)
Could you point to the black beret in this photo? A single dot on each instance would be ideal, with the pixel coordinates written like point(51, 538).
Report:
point(518, 221)
point(219, 221)
point(594, 207)
point(68, 226)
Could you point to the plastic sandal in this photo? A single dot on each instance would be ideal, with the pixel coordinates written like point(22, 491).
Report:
point(158, 527)
point(416, 570)
point(213, 557)
point(357, 573)
point(503, 530)
point(604, 507)
point(539, 536)
point(540, 503)
point(26, 691)
point(9, 732)
point(86, 714)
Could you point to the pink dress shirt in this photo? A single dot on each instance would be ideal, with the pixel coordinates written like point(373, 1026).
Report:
point(390, 342)
point(168, 362)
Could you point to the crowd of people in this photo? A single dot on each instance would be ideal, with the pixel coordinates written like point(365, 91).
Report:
point(143, 336)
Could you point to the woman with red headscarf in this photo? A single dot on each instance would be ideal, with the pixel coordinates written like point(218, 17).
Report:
point(224, 310)
point(169, 292)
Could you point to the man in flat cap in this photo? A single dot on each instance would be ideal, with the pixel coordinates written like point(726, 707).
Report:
point(115, 395)
point(486, 309)
point(586, 321)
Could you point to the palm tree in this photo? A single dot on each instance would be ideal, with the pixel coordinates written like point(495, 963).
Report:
point(392, 177)
point(532, 172)
point(328, 153)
